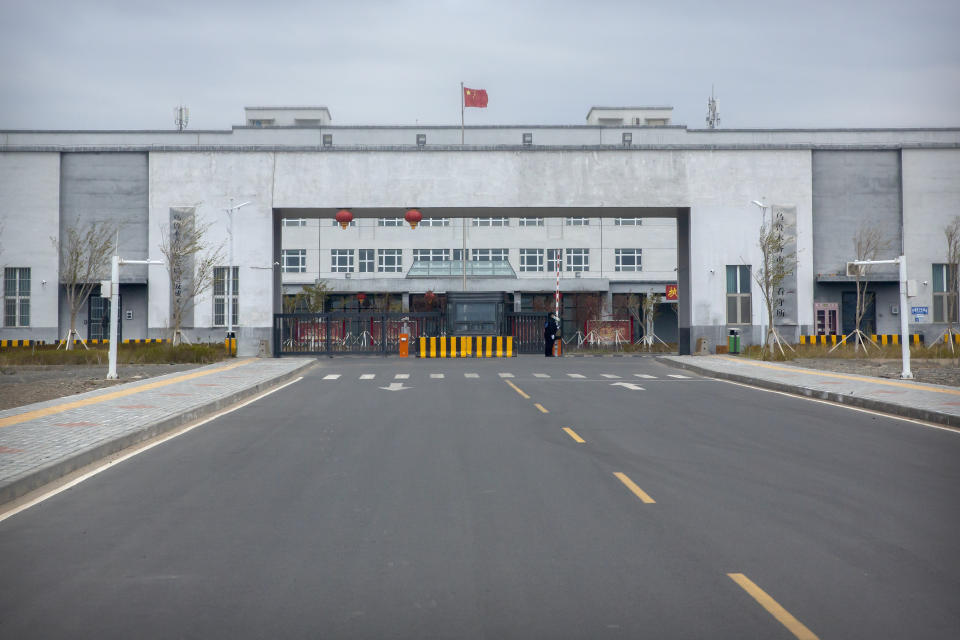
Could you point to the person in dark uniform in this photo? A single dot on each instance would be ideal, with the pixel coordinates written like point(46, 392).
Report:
point(550, 333)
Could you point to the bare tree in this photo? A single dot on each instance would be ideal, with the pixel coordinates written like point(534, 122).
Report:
point(84, 259)
point(190, 263)
point(868, 243)
point(952, 281)
point(776, 265)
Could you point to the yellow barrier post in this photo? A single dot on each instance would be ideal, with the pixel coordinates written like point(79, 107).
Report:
point(509, 346)
point(499, 346)
point(433, 347)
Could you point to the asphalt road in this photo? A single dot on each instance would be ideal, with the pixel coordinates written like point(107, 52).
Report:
point(456, 508)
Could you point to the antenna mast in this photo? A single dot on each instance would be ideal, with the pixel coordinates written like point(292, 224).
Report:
point(181, 115)
point(713, 118)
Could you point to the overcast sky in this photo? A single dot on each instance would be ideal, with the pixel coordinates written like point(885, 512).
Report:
point(96, 64)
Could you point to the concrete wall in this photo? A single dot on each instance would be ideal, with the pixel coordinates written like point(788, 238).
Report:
point(29, 213)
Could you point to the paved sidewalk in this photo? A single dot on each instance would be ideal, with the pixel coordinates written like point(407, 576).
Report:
point(929, 402)
point(47, 440)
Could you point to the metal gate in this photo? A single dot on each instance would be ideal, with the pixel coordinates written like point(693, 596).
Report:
point(526, 327)
point(329, 334)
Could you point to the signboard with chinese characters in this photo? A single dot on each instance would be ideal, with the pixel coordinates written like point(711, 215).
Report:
point(672, 293)
point(784, 223)
point(182, 220)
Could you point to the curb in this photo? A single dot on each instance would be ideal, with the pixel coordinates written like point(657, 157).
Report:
point(914, 413)
point(56, 469)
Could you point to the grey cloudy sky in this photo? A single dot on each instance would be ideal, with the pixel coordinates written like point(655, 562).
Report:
point(126, 64)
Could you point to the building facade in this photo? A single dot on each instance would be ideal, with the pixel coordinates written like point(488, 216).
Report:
point(624, 209)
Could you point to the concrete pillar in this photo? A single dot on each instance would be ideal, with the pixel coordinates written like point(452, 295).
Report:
point(405, 302)
point(516, 301)
point(607, 304)
point(684, 303)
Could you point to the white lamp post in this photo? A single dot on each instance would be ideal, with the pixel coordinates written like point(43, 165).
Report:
point(230, 211)
point(115, 263)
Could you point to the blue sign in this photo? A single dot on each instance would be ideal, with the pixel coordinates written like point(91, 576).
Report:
point(919, 311)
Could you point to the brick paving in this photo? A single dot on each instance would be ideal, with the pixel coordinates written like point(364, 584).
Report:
point(42, 441)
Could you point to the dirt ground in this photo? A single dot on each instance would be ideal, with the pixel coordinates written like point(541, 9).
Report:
point(924, 370)
point(20, 385)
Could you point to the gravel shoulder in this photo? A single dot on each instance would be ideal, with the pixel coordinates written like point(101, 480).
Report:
point(22, 385)
point(930, 371)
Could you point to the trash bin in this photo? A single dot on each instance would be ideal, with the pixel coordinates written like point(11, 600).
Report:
point(733, 341)
point(230, 342)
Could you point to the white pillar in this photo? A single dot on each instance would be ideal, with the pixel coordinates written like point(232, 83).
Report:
point(906, 374)
point(114, 314)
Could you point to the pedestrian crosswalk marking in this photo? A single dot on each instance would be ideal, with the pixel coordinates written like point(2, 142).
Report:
point(645, 376)
point(540, 375)
point(505, 375)
point(368, 376)
point(610, 376)
point(677, 375)
point(332, 376)
point(402, 376)
point(438, 376)
point(471, 375)
point(576, 375)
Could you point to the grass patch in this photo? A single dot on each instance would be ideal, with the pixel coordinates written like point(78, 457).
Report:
point(126, 354)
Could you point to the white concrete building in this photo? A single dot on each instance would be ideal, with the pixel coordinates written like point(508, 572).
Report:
point(511, 194)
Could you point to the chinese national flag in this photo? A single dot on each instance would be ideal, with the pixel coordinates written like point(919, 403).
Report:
point(475, 98)
point(672, 292)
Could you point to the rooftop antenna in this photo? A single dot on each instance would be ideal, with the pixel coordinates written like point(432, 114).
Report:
point(181, 115)
point(713, 118)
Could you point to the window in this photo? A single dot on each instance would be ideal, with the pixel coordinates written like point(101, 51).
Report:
point(531, 222)
point(435, 222)
point(341, 260)
point(295, 222)
point(627, 222)
point(491, 222)
point(578, 222)
point(627, 139)
point(16, 297)
point(353, 223)
point(629, 259)
point(421, 139)
point(294, 260)
point(389, 222)
point(578, 259)
point(220, 286)
point(528, 139)
point(531, 259)
point(457, 254)
point(389, 260)
point(738, 294)
point(554, 259)
point(328, 139)
point(431, 255)
point(486, 255)
point(943, 291)
point(365, 260)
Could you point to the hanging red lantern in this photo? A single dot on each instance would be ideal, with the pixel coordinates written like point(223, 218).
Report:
point(413, 217)
point(344, 217)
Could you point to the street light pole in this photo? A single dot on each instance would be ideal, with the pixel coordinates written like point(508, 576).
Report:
point(901, 261)
point(115, 262)
point(230, 211)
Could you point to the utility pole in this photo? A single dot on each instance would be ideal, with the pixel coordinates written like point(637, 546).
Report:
point(115, 263)
point(906, 374)
point(230, 211)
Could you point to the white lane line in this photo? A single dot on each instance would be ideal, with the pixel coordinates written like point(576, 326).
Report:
point(402, 376)
point(540, 375)
point(505, 375)
point(576, 375)
point(368, 376)
point(471, 375)
point(439, 376)
point(610, 376)
point(677, 375)
point(646, 376)
point(332, 376)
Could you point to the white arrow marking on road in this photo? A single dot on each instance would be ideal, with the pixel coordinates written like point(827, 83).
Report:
point(396, 386)
point(628, 385)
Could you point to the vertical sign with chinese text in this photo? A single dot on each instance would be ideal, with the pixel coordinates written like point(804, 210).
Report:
point(182, 220)
point(784, 221)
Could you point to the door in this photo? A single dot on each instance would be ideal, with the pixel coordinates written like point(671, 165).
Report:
point(98, 319)
point(848, 304)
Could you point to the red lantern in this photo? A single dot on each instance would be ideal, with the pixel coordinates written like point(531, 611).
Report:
point(344, 217)
point(413, 217)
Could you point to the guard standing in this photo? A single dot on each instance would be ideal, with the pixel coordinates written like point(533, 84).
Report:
point(550, 331)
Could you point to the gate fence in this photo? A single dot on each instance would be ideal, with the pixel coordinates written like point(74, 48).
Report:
point(526, 327)
point(350, 333)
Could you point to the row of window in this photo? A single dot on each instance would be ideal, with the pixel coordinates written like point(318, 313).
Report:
point(391, 260)
point(476, 222)
point(526, 138)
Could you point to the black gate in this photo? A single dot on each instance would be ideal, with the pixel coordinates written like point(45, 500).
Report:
point(526, 327)
point(328, 334)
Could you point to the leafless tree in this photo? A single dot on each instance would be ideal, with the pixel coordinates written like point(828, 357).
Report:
point(952, 280)
point(84, 252)
point(776, 265)
point(190, 262)
point(868, 243)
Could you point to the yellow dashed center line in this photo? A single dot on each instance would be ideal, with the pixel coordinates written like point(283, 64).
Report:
point(540, 407)
point(86, 402)
point(640, 493)
point(517, 389)
point(573, 434)
point(773, 607)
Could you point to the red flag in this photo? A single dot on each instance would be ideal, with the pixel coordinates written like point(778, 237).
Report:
point(475, 98)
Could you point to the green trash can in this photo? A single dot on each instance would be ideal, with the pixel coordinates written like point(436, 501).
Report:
point(733, 341)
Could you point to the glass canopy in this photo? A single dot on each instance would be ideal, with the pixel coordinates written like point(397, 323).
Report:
point(454, 269)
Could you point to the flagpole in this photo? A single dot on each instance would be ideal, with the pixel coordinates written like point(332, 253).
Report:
point(461, 113)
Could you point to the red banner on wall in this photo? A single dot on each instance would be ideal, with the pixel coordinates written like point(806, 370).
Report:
point(672, 292)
